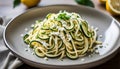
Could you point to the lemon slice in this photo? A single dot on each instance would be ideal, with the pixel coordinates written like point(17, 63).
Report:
point(30, 3)
point(102, 1)
point(113, 6)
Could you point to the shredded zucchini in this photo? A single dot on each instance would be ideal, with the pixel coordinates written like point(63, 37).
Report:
point(61, 35)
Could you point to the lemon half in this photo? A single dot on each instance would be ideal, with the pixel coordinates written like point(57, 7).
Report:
point(113, 6)
point(30, 3)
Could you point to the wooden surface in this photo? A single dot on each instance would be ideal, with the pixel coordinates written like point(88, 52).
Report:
point(7, 10)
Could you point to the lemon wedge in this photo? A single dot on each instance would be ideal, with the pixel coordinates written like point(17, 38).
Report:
point(30, 3)
point(113, 6)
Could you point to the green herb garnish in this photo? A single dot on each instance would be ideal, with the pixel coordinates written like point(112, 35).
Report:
point(63, 16)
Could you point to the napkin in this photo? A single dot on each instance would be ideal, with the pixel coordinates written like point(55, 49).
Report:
point(7, 59)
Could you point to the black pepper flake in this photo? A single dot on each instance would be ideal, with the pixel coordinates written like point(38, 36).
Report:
point(101, 46)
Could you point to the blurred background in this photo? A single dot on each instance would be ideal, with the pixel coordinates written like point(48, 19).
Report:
point(7, 6)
